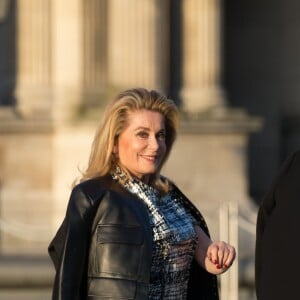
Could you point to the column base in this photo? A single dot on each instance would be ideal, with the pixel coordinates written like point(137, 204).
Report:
point(201, 99)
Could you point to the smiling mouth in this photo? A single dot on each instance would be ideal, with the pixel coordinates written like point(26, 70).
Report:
point(150, 158)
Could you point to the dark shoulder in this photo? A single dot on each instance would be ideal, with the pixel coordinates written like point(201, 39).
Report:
point(290, 164)
point(294, 159)
point(96, 187)
point(288, 170)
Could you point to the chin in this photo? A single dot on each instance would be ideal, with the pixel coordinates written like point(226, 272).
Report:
point(149, 172)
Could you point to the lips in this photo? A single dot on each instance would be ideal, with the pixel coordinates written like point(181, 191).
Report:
point(150, 158)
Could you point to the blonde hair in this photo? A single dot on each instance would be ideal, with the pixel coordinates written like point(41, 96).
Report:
point(102, 159)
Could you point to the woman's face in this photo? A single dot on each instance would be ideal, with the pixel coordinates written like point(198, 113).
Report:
point(141, 147)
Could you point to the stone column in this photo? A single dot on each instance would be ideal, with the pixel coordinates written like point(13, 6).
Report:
point(201, 55)
point(49, 80)
point(49, 58)
point(138, 43)
point(94, 52)
point(33, 57)
point(67, 48)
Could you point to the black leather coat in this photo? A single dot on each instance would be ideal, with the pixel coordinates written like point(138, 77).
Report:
point(103, 248)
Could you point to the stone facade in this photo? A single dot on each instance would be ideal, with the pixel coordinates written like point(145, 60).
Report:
point(71, 55)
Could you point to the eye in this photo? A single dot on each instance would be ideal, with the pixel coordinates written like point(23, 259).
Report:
point(161, 135)
point(143, 134)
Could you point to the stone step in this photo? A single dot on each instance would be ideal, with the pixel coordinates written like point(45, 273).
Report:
point(26, 272)
point(25, 294)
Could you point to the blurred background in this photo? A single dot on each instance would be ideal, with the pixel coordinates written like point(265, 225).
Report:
point(232, 67)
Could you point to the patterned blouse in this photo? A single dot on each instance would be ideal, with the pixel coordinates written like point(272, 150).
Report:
point(174, 240)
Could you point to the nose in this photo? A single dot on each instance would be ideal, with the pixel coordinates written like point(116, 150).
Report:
point(154, 143)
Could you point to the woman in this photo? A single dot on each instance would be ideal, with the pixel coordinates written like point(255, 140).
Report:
point(130, 233)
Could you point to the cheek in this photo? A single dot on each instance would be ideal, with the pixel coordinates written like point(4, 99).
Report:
point(123, 148)
point(127, 148)
point(163, 147)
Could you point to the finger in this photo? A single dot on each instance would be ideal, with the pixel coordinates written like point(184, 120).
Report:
point(223, 254)
point(230, 257)
point(212, 252)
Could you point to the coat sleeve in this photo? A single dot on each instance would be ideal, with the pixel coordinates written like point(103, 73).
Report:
point(69, 249)
point(264, 213)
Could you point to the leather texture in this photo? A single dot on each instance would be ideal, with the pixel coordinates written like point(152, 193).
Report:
point(103, 248)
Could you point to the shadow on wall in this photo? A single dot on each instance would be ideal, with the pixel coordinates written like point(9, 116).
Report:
point(8, 61)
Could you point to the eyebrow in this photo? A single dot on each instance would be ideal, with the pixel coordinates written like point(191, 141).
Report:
point(141, 127)
point(147, 129)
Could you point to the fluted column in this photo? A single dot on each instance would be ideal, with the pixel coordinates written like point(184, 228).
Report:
point(138, 43)
point(33, 56)
point(94, 51)
point(67, 53)
point(201, 55)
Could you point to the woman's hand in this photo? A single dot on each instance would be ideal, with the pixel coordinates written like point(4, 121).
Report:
point(219, 257)
point(214, 257)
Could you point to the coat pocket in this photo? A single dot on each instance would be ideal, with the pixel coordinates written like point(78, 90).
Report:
point(109, 289)
point(119, 251)
point(119, 234)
